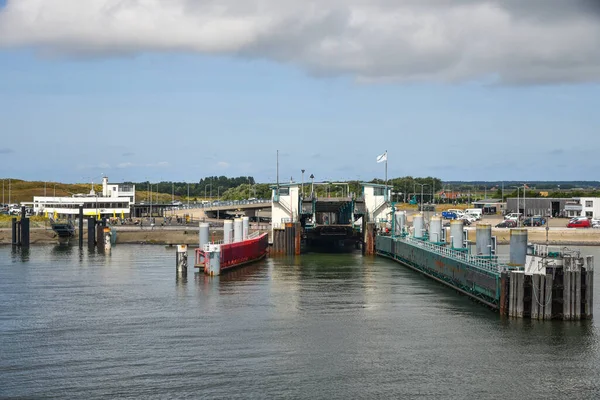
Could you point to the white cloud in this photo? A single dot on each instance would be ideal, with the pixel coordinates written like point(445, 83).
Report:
point(511, 41)
point(223, 164)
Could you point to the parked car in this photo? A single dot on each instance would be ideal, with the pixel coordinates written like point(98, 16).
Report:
point(579, 222)
point(467, 217)
point(595, 223)
point(513, 216)
point(536, 220)
point(507, 223)
point(451, 213)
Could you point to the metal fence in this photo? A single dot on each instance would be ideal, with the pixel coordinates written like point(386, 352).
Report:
point(493, 264)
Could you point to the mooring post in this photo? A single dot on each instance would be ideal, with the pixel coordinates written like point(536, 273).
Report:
point(298, 234)
point(24, 228)
point(14, 231)
point(181, 258)
point(80, 226)
point(91, 232)
point(100, 237)
point(369, 240)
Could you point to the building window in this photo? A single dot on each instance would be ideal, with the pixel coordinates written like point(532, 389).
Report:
point(589, 203)
point(284, 191)
point(378, 191)
point(589, 214)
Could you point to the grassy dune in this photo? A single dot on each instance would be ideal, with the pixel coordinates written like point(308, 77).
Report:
point(25, 190)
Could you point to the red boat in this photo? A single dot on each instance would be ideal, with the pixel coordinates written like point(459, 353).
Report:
point(231, 255)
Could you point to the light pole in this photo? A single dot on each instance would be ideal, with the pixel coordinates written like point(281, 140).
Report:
point(422, 186)
point(55, 190)
point(208, 184)
point(302, 182)
point(312, 185)
point(172, 192)
point(188, 196)
point(218, 198)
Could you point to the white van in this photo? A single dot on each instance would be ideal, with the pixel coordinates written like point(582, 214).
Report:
point(476, 212)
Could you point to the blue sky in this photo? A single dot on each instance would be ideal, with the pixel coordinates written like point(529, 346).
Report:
point(151, 114)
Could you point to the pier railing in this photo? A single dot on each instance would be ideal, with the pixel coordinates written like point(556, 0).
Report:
point(492, 263)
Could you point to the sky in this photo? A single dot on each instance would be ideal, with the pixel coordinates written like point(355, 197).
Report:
point(179, 90)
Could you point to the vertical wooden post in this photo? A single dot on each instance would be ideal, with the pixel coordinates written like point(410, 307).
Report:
point(80, 226)
point(542, 296)
point(567, 289)
point(577, 298)
point(298, 237)
point(535, 296)
point(548, 297)
point(91, 232)
point(503, 293)
point(520, 291)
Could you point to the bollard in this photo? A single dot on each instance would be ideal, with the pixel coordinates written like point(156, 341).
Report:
point(181, 258)
point(214, 260)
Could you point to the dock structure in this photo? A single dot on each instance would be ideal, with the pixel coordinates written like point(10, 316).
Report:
point(344, 221)
point(535, 281)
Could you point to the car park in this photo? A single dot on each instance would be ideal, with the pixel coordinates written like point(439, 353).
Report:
point(579, 222)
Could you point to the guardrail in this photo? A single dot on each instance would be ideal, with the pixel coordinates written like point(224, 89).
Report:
point(493, 264)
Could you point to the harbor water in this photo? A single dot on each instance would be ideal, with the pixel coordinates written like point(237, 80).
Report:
point(77, 324)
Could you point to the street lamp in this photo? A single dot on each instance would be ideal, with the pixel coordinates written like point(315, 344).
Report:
point(312, 185)
point(302, 182)
point(218, 198)
point(205, 185)
point(188, 195)
point(422, 186)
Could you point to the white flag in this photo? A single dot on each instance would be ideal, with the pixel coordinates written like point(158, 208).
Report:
point(382, 157)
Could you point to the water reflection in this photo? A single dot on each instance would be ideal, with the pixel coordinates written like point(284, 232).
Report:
point(20, 254)
point(62, 249)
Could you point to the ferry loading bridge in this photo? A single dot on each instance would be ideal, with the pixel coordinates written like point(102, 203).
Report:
point(323, 221)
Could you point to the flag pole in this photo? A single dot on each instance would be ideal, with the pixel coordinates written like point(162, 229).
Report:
point(386, 169)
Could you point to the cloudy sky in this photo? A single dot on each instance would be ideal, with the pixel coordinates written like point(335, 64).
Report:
point(182, 89)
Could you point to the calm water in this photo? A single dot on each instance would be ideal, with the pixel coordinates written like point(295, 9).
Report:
point(81, 325)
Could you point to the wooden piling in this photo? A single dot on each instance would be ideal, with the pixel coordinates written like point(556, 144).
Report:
point(541, 295)
point(297, 237)
point(14, 231)
point(535, 296)
point(80, 226)
point(548, 297)
point(520, 291)
point(566, 298)
point(91, 232)
point(512, 312)
point(504, 279)
point(589, 287)
point(577, 302)
point(369, 239)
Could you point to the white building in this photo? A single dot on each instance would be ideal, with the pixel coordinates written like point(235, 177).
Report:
point(115, 201)
point(583, 207)
point(286, 198)
point(377, 201)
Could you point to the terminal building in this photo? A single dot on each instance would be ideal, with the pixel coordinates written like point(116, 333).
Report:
point(115, 201)
point(556, 207)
